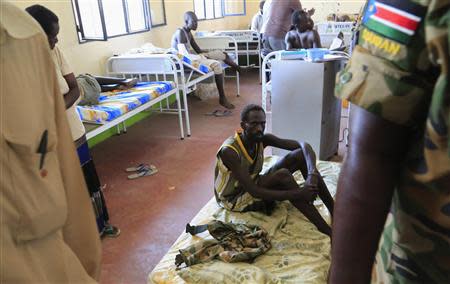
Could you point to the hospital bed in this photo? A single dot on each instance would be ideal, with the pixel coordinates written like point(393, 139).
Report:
point(299, 253)
point(185, 72)
point(328, 31)
point(117, 106)
point(266, 88)
point(248, 42)
point(225, 43)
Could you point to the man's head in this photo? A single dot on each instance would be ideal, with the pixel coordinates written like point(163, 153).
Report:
point(261, 5)
point(253, 122)
point(48, 21)
point(301, 20)
point(190, 20)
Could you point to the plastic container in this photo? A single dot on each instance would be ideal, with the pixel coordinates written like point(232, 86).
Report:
point(315, 54)
point(293, 54)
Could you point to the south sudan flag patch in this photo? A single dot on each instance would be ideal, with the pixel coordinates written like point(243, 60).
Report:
point(397, 20)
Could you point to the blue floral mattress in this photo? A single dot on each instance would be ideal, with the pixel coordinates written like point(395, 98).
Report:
point(116, 103)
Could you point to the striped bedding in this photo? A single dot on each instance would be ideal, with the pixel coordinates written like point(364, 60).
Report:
point(299, 253)
point(116, 103)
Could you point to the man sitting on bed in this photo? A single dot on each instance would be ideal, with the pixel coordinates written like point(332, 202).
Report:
point(211, 59)
point(240, 186)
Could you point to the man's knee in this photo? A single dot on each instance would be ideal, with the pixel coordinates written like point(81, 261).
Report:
point(284, 176)
point(295, 158)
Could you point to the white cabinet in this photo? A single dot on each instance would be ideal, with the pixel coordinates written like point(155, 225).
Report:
point(303, 104)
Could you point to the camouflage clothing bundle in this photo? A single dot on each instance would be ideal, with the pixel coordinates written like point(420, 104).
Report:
point(400, 72)
point(232, 243)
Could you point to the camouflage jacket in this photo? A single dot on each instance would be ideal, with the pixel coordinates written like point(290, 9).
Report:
point(231, 243)
point(400, 72)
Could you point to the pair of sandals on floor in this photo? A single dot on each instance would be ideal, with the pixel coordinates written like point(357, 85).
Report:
point(220, 113)
point(141, 170)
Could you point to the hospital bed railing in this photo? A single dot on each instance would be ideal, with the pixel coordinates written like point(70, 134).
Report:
point(225, 43)
point(167, 67)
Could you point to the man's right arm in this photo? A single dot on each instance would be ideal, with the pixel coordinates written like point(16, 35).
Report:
point(231, 161)
point(369, 175)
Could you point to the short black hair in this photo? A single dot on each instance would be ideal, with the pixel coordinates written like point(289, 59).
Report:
point(43, 16)
point(261, 4)
point(248, 108)
point(296, 16)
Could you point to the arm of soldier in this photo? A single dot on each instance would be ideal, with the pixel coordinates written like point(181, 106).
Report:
point(74, 92)
point(366, 184)
point(231, 161)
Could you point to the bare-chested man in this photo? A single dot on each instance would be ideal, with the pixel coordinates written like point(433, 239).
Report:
point(211, 59)
point(302, 34)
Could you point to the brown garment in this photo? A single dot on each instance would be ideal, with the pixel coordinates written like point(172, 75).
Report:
point(280, 17)
point(48, 232)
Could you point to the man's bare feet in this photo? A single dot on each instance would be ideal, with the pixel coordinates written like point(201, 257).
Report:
point(246, 69)
point(225, 103)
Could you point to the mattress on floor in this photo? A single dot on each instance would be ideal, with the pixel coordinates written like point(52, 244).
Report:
point(116, 103)
point(299, 253)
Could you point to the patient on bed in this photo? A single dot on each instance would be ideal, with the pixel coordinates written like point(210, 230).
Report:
point(302, 33)
point(241, 186)
point(211, 59)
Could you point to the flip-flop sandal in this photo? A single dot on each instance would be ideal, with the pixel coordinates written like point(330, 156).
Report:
point(145, 172)
point(213, 113)
point(223, 113)
point(137, 168)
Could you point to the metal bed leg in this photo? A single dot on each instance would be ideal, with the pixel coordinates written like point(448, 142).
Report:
point(124, 127)
point(180, 117)
point(186, 112)
point(238, 84)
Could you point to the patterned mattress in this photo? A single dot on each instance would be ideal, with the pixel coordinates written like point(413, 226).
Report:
point(299, 253)
point(116, 103)
point(194, 63)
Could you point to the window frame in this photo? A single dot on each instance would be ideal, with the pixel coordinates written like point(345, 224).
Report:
point(164, 14)
point(214, 10)
point(79, 23)
point(232, 15)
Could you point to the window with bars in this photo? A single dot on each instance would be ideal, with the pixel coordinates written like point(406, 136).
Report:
point(103, 19)
point(208, 9)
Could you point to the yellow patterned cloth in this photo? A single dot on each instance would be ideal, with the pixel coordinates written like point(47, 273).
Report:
point(299, 253)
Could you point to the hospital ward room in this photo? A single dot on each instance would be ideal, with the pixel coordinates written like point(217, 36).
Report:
point(225, 141)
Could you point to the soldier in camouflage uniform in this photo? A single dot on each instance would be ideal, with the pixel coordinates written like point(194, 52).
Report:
point(232, 243)
point(397, 171)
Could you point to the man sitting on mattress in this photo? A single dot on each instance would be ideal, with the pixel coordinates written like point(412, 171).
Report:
point(240, 186)
point(211, 59)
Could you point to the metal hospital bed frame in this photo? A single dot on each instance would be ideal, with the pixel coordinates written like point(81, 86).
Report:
point(160, 66)
point(266, 69)
point(94, 131)
point(248, 42)
point(226, 43)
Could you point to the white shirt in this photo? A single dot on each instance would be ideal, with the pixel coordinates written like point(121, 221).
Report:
point(257, 22)
point(265, 16)
point(63, 68)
